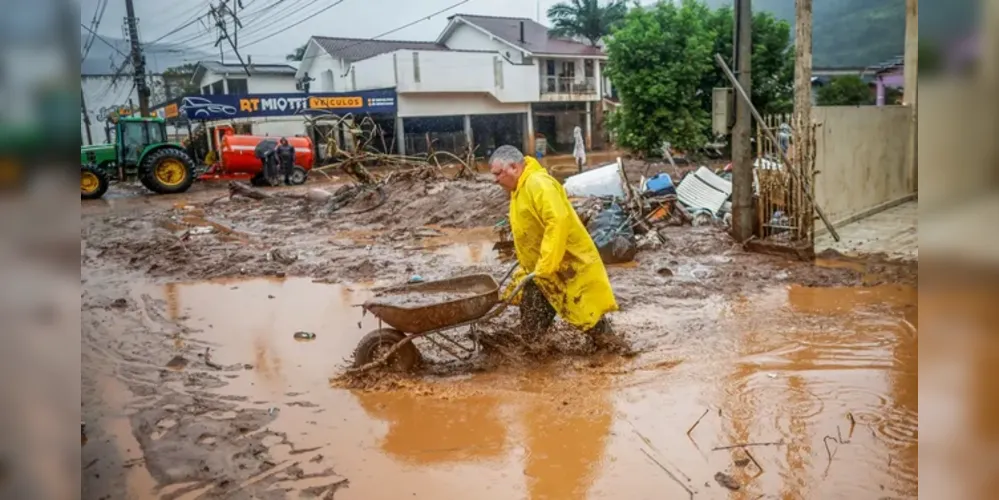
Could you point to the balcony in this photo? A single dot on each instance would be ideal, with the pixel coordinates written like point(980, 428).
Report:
point(568, 88)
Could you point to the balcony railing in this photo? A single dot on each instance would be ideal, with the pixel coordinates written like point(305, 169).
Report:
point(568, 85)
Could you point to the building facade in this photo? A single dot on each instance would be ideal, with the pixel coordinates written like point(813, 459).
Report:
point(485, 81)
point(215, 78)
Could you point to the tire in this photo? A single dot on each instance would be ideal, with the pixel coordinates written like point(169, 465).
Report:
point(374, 344)
point(167, 171)
point(298, 175)
point(94, 182)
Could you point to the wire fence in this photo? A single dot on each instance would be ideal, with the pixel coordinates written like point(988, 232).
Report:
point(785, 214)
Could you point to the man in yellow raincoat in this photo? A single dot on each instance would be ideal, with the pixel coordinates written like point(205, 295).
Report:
point(551, 242)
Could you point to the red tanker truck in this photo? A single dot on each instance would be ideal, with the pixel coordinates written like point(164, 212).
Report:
point(236, 158)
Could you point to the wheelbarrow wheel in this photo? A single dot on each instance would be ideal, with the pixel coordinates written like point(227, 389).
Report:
point(375, 344)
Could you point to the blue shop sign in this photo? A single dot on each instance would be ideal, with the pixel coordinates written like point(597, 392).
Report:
point(223, 107)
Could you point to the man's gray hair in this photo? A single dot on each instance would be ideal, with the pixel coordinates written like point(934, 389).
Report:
point(507, 155)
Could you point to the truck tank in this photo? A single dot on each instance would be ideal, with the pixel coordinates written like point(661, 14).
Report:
point(237, 153)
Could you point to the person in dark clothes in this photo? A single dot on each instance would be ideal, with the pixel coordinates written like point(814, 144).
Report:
point(286, 156)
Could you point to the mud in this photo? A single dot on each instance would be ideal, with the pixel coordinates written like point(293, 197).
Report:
point(195, 387)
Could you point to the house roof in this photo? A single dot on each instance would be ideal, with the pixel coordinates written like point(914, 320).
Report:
point(888, 66)
point(356, 49)
point(536, 37)
point(232, 68)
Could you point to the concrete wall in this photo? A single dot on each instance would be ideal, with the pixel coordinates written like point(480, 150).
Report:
point(411, 105)
point(465, 37)
point(860, 154)
point(271, 84)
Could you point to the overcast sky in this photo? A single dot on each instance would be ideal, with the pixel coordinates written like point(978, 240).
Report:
point(349, 18)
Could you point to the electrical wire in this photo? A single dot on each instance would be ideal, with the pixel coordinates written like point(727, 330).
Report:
point(277, 32)
point(394, 30)
point(102, 39)
point(102, 5)
point(254, 19)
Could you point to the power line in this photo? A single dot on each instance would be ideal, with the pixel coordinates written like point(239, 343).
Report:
point(394, 30)
point(261, 15)
point(102, 5)
point(311, 16)
point(102, 39)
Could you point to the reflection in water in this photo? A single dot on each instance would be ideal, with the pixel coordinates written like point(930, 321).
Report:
point(789, 365)
point(827, 354)
point(566, 426)
point(428, 431)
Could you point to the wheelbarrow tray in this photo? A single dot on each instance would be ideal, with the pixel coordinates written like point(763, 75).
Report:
point(463, 299)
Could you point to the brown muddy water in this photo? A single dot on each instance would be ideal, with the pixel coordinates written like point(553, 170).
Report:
point(195, 384)
point(788, 369)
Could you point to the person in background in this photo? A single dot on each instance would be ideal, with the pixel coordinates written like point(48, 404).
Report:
point(540, 146)
point(286, 157)
point(578, 148)
point(554, 249)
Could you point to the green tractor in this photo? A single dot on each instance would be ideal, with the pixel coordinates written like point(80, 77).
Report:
point(141, 151)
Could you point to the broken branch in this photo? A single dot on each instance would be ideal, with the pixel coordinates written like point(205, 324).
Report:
point(743, 445)
point(671, 475)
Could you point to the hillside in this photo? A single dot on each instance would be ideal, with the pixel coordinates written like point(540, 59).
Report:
point(858, 33)
point(845, 33)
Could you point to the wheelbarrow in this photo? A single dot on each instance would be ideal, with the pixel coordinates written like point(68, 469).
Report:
point(439, 307)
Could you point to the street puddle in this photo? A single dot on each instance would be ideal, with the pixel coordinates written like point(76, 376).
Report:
point(759, 393)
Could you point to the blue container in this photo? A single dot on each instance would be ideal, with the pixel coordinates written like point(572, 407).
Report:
point(660, 184)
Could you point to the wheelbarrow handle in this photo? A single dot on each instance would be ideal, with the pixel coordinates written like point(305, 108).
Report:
point(520, 286)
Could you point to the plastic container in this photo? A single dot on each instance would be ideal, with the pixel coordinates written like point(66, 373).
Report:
point(602, 181)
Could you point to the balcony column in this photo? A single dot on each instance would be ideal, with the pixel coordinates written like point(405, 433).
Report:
point(468, 131)
point(529, 130)
point(400, 136)
point(589, 125)
point(598, 79)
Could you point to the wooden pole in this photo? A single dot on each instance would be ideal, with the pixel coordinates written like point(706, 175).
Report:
point(742, 152)
point(773, 138)
point(911, 88)
point(801, 121)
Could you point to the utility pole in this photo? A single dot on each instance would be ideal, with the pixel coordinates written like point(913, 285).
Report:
point(138, 60)
point(219, 14)
point(801, 140)
point(742, 151)
point(86, 117)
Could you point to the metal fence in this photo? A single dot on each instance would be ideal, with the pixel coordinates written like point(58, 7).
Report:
point(568, 85)
point(785, 214)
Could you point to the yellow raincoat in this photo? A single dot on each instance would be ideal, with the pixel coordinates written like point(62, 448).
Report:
point(551, 241)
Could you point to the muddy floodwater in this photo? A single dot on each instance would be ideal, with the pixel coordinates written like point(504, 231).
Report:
point(755, 378)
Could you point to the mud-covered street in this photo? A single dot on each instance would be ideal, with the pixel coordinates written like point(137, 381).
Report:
point(755, 376)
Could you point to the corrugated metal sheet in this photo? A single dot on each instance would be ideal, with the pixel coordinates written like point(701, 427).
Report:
point(704, 189)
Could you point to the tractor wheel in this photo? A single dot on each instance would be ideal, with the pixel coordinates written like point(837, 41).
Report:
point(298, 175)
point(167, 171)
point(93, 182)
point(377, 343)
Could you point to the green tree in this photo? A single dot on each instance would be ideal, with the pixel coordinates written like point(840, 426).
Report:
point(586, 18)
point(772, 61)
point(298, 54)
point(658, 59)
point(176, 83)
point(847, 90)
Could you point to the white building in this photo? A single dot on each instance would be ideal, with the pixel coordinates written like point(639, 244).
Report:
point(214, 78)
point(487, 80)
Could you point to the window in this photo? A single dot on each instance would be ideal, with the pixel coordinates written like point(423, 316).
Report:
point(550, 67)
point(238, 86)
point(156, 132)
point(588, 68)
point(416, 67)
point(568, 69)
point(206, 90)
